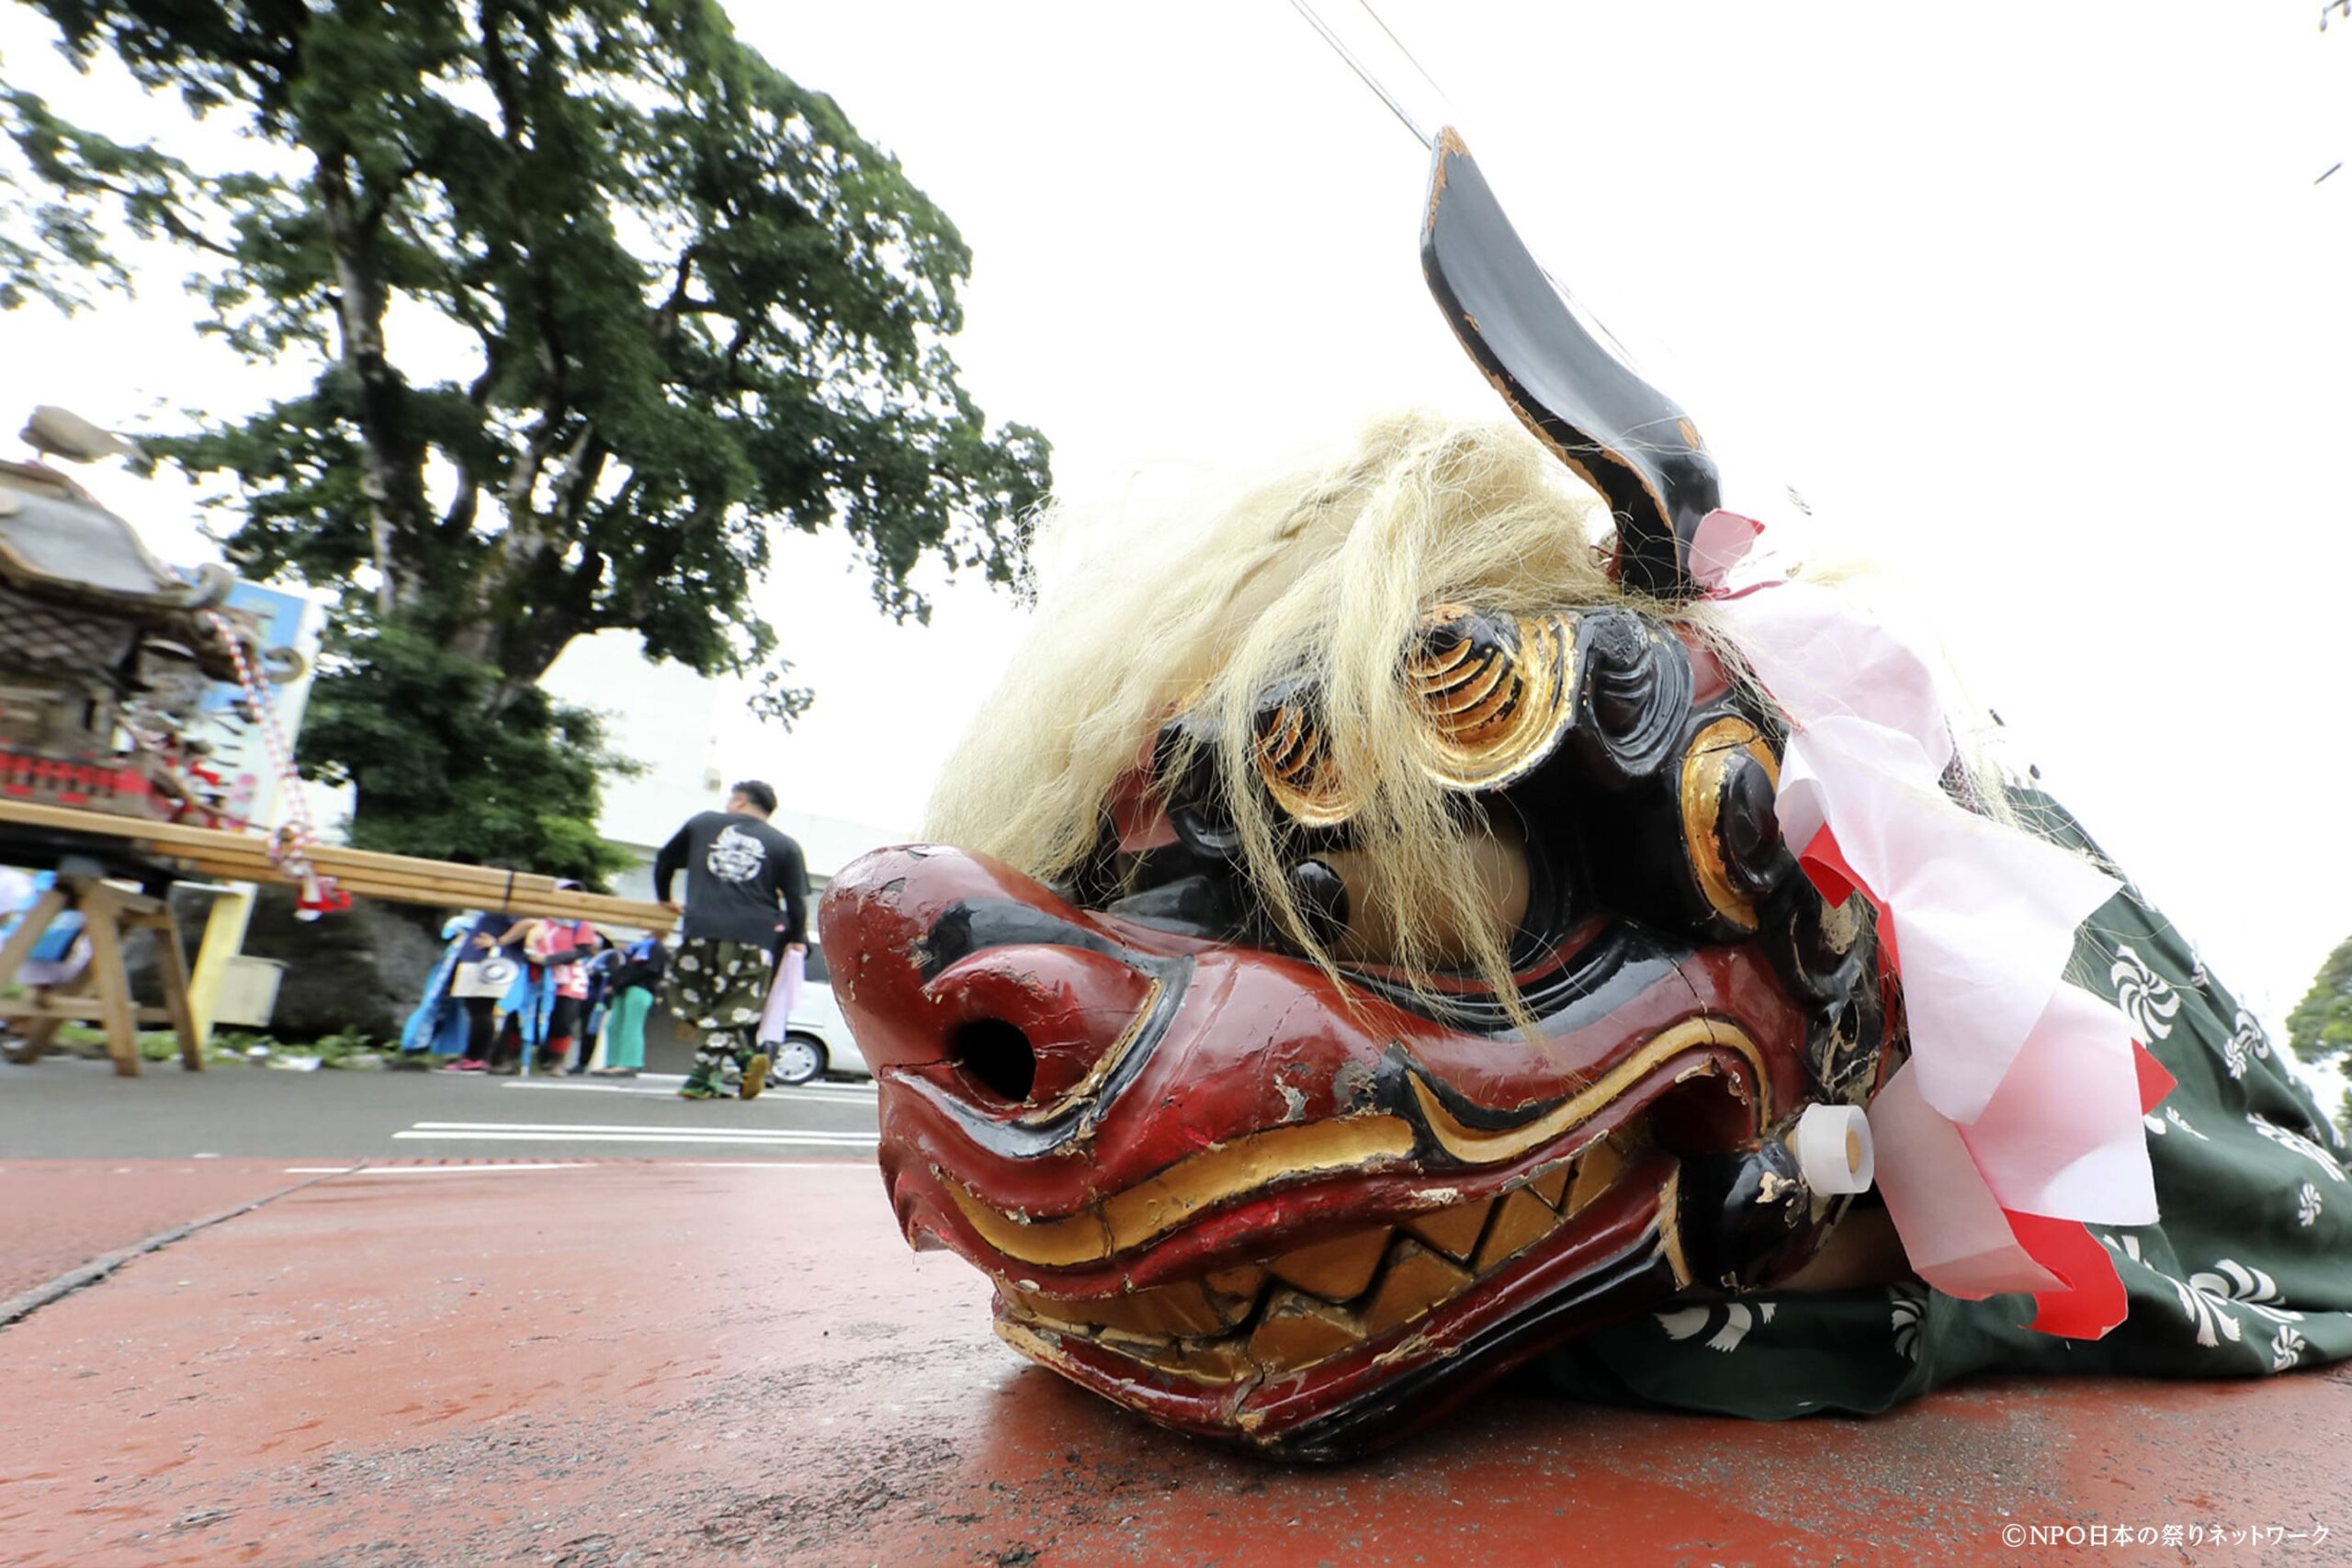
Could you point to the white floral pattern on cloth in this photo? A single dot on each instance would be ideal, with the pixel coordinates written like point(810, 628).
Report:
point(2244, 1044)
point(2161, 1123)
point(2286, 1139)
point(1908, 1308)
point(2307, 1206)
point(2286, 1349)
point(2145, 996)
point(2211, 1299)
point(1687, 1322)
point(2250, 1289)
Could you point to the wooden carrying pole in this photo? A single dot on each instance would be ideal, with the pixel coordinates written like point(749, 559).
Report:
point(108, 910)
point(403, 879)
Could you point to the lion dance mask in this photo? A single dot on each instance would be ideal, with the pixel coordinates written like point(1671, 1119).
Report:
point(1398, 936)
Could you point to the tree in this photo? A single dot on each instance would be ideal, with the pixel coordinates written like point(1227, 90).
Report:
point(598, 298)
point(2321, 1025)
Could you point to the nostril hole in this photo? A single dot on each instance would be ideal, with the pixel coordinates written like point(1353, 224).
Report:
point(997, 1055)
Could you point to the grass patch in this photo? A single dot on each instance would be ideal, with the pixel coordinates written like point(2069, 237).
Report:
point(228, 1046)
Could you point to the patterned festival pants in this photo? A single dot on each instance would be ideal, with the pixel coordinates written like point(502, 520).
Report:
point(718, 989)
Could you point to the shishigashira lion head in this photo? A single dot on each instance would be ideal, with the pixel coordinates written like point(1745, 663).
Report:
point(1358, 954)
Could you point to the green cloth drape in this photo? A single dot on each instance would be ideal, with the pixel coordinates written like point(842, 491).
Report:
point(2247, 1271)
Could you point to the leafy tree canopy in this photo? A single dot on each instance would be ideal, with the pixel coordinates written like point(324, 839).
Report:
point(2321, 1025)
point(598, 299)
point(464, 776)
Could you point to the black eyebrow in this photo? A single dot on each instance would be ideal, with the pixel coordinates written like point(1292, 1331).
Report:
point(977, 924)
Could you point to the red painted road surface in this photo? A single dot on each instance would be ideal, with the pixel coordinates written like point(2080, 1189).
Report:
point(639, 1363)
point(56, 1216)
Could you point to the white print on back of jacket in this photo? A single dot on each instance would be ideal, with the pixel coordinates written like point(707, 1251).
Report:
point(735, 856)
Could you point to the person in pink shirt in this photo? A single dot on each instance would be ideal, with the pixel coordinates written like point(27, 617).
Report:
point(562, 948)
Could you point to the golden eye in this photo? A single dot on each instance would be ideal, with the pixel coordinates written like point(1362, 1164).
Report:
point(1492, 692)
point(1729, 775)
point(1295, 760)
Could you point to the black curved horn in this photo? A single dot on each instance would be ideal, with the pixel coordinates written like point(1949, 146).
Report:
point(1627, 439)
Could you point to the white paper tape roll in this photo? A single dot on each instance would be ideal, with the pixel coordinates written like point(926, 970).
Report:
point(1832, 1143)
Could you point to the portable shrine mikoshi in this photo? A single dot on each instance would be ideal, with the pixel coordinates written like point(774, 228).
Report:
point(96, 853)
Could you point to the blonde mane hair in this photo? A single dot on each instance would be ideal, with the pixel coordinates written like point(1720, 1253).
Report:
point(1323, 576)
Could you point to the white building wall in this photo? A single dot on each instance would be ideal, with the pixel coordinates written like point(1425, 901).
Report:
point(665, 717)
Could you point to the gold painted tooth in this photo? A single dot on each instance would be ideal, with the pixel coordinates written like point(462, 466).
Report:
point(1167, 1310)
point(1299, 1330)
point(1549, 1184)
point(1596, 1172)
point(1417, 1281)
point(1522, 1220)
point(1037, 1309)
point(1218, 1361)
point(1086, 1319)
point(1183, 1308)
point(1338, 1270)
point(1454, 1231)
point(1242, 1281)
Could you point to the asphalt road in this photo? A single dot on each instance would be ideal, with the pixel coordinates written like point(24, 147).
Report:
point(70, 1108)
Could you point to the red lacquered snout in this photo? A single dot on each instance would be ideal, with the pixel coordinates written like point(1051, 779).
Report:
point(941, 957)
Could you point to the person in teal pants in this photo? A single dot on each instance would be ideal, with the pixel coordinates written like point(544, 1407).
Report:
point(634, 982)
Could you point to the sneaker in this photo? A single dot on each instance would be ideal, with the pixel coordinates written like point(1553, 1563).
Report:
point(755, 1076)
point(464, 1065)
point(696, 1088)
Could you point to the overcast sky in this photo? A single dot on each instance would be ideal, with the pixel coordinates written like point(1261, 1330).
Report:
point(2038, 306)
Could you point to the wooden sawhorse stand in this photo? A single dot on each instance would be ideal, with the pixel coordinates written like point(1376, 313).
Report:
point(108, 911)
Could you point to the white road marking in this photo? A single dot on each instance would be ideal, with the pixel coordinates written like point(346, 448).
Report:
point(576, 1165)
point(849, 1094)
point(852, 1086)
point(431, 1169)
point(735, 1139)
point(771, 1132)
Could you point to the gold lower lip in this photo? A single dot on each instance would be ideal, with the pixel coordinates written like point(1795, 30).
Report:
point(1252, 1163)
point(1084, 1091)
point(1474, 1146)
point(1160, 1203)
point(1317, 1303)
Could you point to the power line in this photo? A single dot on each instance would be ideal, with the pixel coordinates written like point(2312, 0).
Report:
point(1418, 70)
point(1363, 72)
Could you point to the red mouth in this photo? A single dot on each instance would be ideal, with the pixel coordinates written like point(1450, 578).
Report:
point(1220, 1190)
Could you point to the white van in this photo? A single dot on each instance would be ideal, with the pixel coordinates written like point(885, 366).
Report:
point(816, 1040)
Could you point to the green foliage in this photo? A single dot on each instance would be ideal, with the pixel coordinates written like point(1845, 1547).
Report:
point(404, 717)
point(673, 302)
point(2321, 1025)
point(227, 1047)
